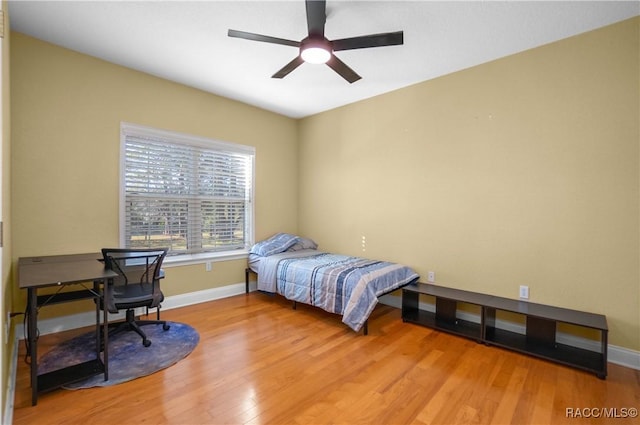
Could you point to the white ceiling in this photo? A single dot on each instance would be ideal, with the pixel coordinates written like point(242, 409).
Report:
point(186, 41)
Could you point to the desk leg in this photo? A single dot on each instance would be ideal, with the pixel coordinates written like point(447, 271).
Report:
point(102, 329)
point(106, 285)
point(96, 288)
point(32, 337)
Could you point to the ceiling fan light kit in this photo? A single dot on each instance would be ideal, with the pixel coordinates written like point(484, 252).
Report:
point(317, 49)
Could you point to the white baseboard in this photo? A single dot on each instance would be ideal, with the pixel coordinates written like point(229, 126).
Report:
point(10, 391)
point(75, 321)
point(624, 357)
point(617, 355)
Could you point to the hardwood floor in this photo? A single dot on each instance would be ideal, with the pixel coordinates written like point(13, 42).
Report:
point(260, 362)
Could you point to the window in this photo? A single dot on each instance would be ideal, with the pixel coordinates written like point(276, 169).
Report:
point(189, 194)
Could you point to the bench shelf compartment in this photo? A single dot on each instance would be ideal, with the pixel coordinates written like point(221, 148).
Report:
point(541, 323)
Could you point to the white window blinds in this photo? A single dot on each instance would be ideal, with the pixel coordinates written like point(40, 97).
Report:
point(188, 194)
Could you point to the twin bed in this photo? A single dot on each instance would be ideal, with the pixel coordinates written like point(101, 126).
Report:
point(293, 267)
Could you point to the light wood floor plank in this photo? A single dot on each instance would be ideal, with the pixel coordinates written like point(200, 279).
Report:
point(261, 362)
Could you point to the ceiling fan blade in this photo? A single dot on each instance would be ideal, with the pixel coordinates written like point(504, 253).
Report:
point(296, 62)
point(341, 68)
point(316, 16)
point(264, 38)
point(373, 40)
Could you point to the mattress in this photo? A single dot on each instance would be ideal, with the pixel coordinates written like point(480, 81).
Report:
point(339, 284)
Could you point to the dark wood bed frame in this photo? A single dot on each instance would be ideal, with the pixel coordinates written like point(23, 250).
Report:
point(365, 326)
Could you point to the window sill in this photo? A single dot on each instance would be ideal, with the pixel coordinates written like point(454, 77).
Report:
point(189, 259)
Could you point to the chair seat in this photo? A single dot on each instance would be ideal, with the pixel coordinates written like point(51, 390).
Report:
point(134, 295)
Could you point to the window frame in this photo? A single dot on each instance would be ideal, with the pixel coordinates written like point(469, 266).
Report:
point(129, 129)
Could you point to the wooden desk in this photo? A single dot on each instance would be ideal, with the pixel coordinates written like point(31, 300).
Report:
point(64, 270)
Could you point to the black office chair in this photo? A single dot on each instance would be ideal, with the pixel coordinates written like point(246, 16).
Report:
point(138, 285)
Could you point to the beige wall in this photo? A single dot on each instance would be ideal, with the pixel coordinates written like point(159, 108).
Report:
point(66, 114)
point(522, 171)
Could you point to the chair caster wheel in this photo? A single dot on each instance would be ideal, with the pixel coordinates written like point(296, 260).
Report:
point(165, 327)
point(146, 343)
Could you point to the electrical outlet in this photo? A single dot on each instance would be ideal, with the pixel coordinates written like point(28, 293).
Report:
point(207, 266)
point(524, 292)
point(431, 277)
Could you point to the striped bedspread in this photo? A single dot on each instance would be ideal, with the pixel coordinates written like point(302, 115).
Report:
point(339, 284)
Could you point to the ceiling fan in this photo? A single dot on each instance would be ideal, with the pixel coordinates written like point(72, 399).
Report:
point(316, 48)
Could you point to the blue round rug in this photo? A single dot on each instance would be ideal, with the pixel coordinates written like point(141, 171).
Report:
point(128, 358)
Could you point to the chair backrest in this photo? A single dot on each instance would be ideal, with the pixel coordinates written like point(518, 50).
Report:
point(134, 265)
